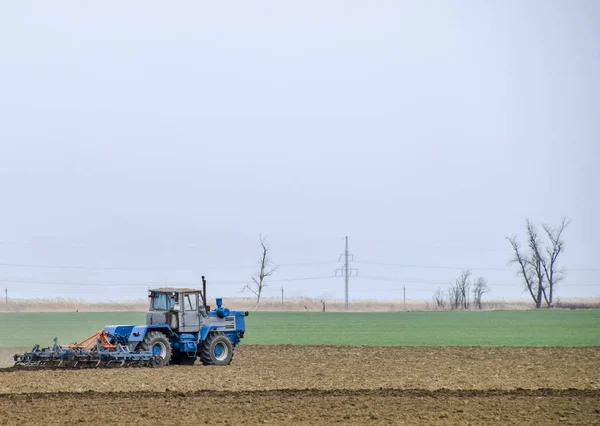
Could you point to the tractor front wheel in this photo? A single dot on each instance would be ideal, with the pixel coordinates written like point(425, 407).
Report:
point(216, 350)
point(157, 343)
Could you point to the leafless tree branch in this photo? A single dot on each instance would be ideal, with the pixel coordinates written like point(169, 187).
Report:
point(458, 293)
point(265, 270)
point(554, 275)
point(439, 299)
point(524, 267)
point(539, 269)
point(479, 289)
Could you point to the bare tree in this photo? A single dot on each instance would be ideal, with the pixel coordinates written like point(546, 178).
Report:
point(454, 299)
point(538, 266)
point(458, 293)
point(265, 270)
point(480, 287)
point(526, 269)
point(439, 299)
point(463, 285)
point(554, 275)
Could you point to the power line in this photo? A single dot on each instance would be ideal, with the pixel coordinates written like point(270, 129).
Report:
point(281, 280)
point(80, 283)
point(307, 263)
point(410, 281)
point(419, 244)
point(296, 264)
point(285, 265)
point(146, 283)
point(25, 265)
point(403, 265)
point(302, 279)
point(400, 289)
point(119, 268)
point(399, 280)
point(411, 244)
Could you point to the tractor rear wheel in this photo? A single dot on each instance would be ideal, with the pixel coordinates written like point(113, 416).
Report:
point(157, 343)
point(216, 350)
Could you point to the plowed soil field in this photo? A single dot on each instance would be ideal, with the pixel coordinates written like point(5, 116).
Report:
point(323, 385)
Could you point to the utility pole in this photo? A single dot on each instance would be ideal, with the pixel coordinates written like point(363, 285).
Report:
point(346, 277)
point(282, 298)
point(346, 272)
point(6, 294)
point(404, 288)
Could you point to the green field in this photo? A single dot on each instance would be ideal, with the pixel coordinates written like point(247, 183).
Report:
point(494, 328)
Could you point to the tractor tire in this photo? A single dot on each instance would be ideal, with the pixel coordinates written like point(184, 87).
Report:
point(158, 344)
point(216, 350)
point(182, 359)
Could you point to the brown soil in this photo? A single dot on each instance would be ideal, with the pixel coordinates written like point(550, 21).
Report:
point(307, 407)
point(322, 385)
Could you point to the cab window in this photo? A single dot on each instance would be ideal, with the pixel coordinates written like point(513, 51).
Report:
point(162, 302)
point(190, 302)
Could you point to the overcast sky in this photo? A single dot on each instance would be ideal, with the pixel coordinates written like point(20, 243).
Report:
point(146, 142)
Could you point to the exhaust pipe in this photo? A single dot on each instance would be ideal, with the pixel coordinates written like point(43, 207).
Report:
point(204, 292)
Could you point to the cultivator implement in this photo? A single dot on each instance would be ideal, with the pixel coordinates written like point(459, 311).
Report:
point(100, 350)
point(180, 329)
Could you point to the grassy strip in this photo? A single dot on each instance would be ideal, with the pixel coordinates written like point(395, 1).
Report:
point(492, 328)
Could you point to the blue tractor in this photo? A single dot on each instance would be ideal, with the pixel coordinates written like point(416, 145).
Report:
point(180, 328)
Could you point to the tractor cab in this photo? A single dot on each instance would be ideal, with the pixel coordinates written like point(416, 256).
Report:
point(182, 309)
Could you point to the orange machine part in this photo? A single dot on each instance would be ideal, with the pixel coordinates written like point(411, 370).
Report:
point(88, 343)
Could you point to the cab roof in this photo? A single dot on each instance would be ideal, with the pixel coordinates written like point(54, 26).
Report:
point(175, 290)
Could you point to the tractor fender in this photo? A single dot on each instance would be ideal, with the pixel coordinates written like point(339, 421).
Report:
point(207, 329)
point(139, 331)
